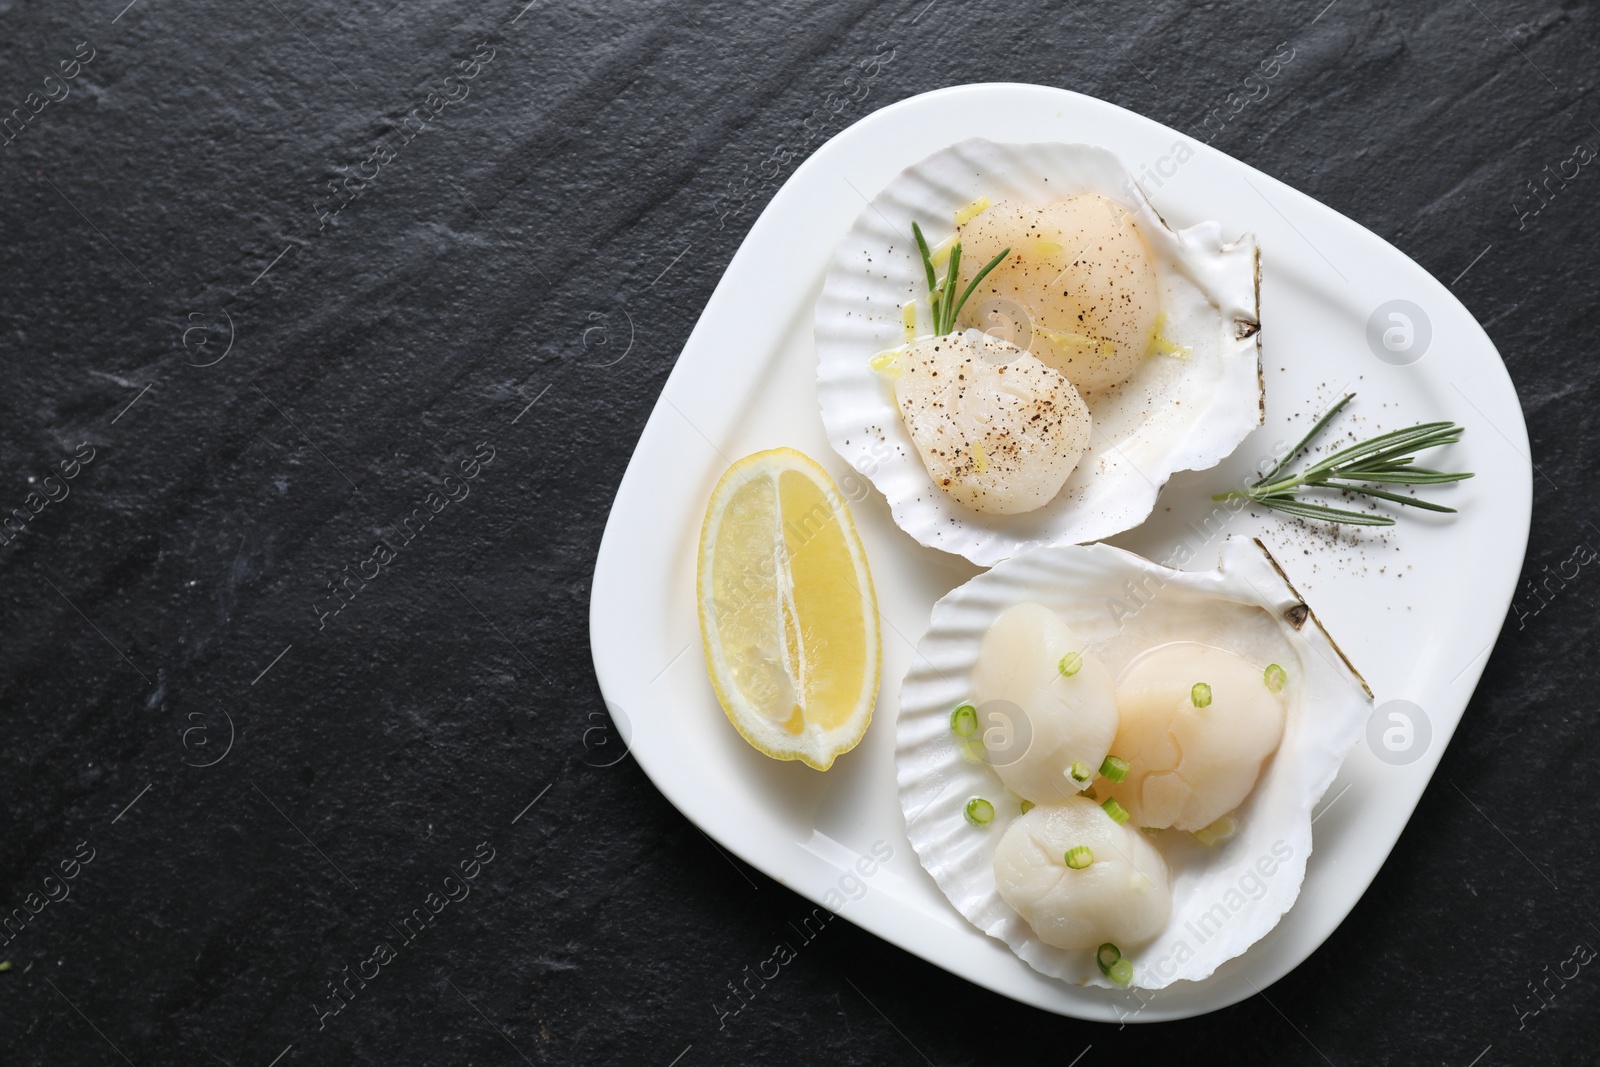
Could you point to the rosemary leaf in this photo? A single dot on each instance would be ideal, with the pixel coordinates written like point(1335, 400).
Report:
point(1300, 509)
point(947, 290)
point(1398, 498)
point(1403, 477)
point(927, 257)
point(976, 278)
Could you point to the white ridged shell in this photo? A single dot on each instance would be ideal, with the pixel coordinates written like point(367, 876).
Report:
point(1246, 606)
point(1175, 414)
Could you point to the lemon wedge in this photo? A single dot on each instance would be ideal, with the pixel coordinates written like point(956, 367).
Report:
point(787, 612)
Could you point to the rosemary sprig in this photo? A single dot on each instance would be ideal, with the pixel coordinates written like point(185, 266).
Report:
point(942, 294)
point(1387, 459)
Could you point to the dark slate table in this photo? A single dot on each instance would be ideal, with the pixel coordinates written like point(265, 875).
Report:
point(275, 272)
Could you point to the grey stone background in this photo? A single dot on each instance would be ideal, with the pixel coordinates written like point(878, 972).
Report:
point(261, 792)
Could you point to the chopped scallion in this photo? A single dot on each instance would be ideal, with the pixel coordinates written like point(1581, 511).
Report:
point(1276, 677)
point(1107, 956)
point(1200, 695)
point(1121, 972)
point(1080, 771)
point(1080, 857)
point(979, 812)
point(1118, 813)
point(964, 720)
point(1114, 768)
point(1070, 664)
point(1027, 806)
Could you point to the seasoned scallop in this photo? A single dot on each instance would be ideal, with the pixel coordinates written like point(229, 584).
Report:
point(998, 430)
point(1178, 312)
point(1197, 725)
point(1080, 278)
point(1080, 879)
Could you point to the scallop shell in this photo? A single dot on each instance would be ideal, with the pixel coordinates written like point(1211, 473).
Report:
point(1225, 898)
point(1174, 414)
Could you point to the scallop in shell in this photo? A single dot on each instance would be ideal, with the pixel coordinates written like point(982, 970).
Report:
point(1118, 895)
point(997, 429)
point(1193, 395)
point(1224, 898)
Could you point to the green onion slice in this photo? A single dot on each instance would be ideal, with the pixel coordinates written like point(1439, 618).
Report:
point(1118, 813)
point(1079, 857)
point(1200, 695)
point(1121, 972)
point(1070, 664)
point(1114, 768)
point(1027, 806)
point(1080, 771)
point(1107, 956)
point(964, 720)
point(1276, 677)
point(979, 812)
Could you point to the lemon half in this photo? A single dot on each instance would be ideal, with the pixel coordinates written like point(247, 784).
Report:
point(787, 612)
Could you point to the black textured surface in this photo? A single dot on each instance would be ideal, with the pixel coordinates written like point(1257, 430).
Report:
point(601, 169)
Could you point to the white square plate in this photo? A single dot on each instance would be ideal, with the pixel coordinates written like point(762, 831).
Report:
point(1416, 608)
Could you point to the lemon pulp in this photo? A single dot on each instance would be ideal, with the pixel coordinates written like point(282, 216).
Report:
point(787, 611)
